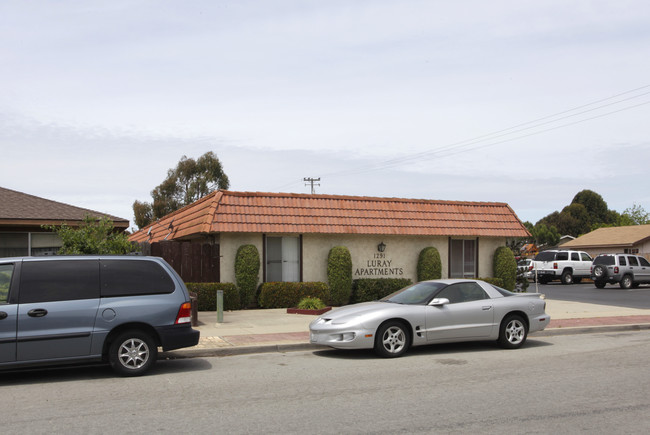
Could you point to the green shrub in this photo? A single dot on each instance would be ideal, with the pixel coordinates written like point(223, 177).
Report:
point(207, 295)
point(311, 304)
point(494, 281)
point(247, 271)
point(505, 267)
point(288, 294)
point(372, 289)
point(429, 265)
point(339, 275)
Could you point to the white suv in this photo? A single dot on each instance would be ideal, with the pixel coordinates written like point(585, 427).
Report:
point(567, 266)
point(625, 269)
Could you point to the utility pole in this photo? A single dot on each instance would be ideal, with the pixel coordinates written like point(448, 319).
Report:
point(311, 182)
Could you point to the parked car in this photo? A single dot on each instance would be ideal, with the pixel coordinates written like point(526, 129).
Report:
point(526, 267)
point(428, 312)
point(61, 310)
point(567, 266)
point(625, 269)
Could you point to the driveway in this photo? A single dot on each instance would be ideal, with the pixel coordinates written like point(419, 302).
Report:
point(588, 293)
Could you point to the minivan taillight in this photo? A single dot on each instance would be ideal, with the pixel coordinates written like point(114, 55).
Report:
point(184, 314)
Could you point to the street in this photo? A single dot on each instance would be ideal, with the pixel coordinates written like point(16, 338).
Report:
point(571, 383)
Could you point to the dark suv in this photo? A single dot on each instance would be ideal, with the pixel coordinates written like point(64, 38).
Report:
point(61, 310)
point(625, 269)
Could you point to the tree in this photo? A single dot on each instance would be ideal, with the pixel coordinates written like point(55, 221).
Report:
point(635, 215)
point(594, 204)
point(545, 235)
point(189, 181)
point(429, 264)
point(93, 237)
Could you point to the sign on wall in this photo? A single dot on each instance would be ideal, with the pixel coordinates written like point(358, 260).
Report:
point(380, 265)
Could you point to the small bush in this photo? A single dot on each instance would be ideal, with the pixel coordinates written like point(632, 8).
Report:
point(429, 264)
point(247, 271)
point(310, 304)
point(207, 295)
point(505, 267)
point(339, 275)
point(364, 290)
point(288, 294)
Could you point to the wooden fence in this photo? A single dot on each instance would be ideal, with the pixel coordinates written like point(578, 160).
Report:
point(194, 262)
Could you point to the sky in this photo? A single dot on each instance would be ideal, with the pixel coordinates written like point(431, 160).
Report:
point(522, 102)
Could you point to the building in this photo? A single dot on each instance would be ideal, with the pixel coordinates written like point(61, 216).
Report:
point(295, 232)
point(633, 239)
point(22, 217)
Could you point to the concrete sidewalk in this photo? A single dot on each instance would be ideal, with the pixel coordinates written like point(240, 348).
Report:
point(272, 330)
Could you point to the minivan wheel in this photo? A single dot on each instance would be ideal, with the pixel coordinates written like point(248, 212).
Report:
point(626, 282)
point(132, 353)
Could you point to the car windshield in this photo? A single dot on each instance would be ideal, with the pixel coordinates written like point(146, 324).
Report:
point(607, 260)
point(417, 294)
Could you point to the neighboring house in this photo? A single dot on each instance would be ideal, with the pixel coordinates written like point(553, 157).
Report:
point(294, 233)
point(633, 239)
point(21, 218)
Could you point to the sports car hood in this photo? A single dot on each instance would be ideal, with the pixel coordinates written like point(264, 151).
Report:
point(355, 310)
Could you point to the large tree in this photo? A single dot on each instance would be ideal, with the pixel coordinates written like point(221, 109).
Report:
point(189, 181)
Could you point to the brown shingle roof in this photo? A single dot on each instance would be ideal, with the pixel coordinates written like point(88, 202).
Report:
point(256, 212)
point(614, 237)
point(21, 209)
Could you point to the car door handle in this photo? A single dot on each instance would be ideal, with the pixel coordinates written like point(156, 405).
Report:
point(3, 315)
point(487, 307)
point(37, 312)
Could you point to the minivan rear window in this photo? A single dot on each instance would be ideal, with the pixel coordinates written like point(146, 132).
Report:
point(58, 280)
point(134, 277)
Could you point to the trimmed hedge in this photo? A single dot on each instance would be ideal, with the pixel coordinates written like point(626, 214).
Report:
point(429, 264)
point(207, 295)
point(288, 294)
point(372, 289)
point(505, 267)
point(339, 275)
point(247, 271)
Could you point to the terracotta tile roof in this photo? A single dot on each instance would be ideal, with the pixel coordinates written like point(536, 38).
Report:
point(614, 237)
point(21, 209)
point(256, 212)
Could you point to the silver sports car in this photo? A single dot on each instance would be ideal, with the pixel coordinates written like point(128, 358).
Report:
point(428, 312)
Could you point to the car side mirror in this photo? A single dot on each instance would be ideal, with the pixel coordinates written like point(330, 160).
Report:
point(438, 302)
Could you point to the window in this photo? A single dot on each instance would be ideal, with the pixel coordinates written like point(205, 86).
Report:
point(462, 259)
point(633, 261)
point(6, 272)
point(562, 256)
point(622, 261)
point(29, 244)
point(575, 256)
point(283, 259)
point(134, 277)
point(585, 257)
point(58, 280)
point(643, 262)
point(463, 292)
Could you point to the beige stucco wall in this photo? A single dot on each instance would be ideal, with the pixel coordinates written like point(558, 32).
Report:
point(399, 259)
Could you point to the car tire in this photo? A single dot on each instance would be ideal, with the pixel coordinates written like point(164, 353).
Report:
point(626, 282)
point(512, 332)
point(392, 339)
point(132, 353)
point(567, 277)
point(600, 271)
point(600, 284)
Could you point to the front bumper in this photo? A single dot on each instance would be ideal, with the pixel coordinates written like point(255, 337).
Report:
point(342, 338)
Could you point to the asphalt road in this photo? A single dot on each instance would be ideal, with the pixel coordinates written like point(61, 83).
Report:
point(587, 292)
point(588, 383)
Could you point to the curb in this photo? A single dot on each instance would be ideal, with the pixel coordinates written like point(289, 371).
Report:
point(295, 347)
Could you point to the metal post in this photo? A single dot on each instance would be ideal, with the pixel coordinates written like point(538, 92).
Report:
point(219, 306)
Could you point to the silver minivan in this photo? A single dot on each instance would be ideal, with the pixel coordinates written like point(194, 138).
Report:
point(117, 309)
